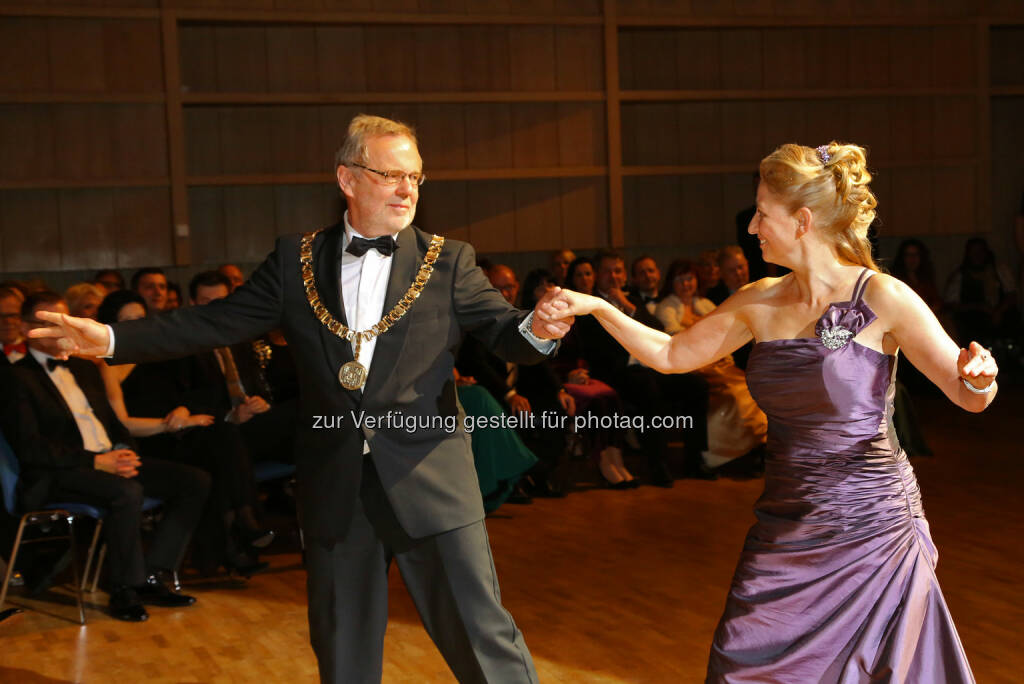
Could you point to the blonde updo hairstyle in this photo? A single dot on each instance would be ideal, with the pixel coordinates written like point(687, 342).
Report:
point(834, 186)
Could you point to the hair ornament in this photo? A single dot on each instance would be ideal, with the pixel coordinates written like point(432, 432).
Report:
point(823, 154)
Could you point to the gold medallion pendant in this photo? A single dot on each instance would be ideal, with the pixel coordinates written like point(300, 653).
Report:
point(352, 375)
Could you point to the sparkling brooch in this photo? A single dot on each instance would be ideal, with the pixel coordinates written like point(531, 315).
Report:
point(835, 337)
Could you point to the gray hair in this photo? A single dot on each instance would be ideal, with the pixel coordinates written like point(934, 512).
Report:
point(360, 130)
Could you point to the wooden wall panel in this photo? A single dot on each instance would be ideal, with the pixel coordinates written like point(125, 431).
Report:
point(532, 54)
point(953, 49)
point(824, 120)
point(202, 141)
point(27, 141)
point(954, 197)
point(538, 219)
point(88, 237)
point(302, 208)
point(654, 65)
point(76, 55)
point(241, 58)
point(206, 214)
point(700, 132)
point(534, 135)
point(249, 219)
point(869, 127)
point(442, 209)
point(334, 122)
point(488, 144)
point(83, 137)
point(132, 53)
point(698, 66)
point(142, 227)
point(244, 133)
point(912, 128)
point(292, 59)
point(491, 214)
point(198, 46)
point(910, 51)
point(739, 191)
point(655, 138)
point(437, 57)
point(582, 137)
point(579, 58)
point(486, 58)
point(1007, 59)
point(827, 58)
point(784, 58)
point(871, 68)
point(783, 123)
point(653, 210)
point(24, 52)
point(441, 132)
point(295, 141)
point(954, 127)
point(911, 212)
point(584, 212)
point(138, 140)
point(390, 58)
point(341, 58)
point(30, 220)
point(701, 218)
point(743, 131)
point(741, 56)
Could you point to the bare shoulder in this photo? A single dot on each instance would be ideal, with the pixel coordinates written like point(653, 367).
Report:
point(888, 295)
point(758, 292)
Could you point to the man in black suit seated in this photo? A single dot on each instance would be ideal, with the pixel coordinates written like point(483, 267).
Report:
point(237, 384)
point(71, 447)
point(523, 389)
point(646, 282)
point(648, 392)
point(10, 327)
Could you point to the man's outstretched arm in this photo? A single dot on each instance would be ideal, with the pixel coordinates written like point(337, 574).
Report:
point(253, 309)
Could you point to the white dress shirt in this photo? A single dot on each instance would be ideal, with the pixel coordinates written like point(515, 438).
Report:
point(364, 285)
point(94, 435)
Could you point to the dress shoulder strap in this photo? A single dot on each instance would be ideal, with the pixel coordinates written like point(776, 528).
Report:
point(862, 283)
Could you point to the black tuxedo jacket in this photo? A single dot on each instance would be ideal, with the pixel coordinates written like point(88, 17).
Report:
point(427, 472)
point(40, 428)
point(538, 383)
point(605, 357)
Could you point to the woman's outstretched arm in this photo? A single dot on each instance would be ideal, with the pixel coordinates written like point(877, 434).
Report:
point(717, 334)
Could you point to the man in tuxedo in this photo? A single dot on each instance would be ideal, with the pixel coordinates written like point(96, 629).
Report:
point(646, 282)
point(71, 447)
point(369, 490)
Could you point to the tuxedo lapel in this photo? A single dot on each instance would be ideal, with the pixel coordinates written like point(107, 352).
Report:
point(404, 265)
point(327, 275)
point(44, 381)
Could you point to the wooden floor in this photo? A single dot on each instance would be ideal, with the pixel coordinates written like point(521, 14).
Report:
point(607, 586)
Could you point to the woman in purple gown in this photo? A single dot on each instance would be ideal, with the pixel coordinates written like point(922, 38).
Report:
point(836, 582)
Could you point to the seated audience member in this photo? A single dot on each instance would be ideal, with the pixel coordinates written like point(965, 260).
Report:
point(646, 394)
point(981, 296)
point(499, 455)
point(559, 265)
point(72, 447)
point(523, 389)
point(593, 398)
point(173, 296)
point(108, 279)
point(734, 270)
point(732, 264)
point(708, 275)
point(913, 265)
point(736, 425)
point(151, 283)
point(146, 398)
point(10, 326)
point(84, 299)
point(646, 281)
point(233, 274)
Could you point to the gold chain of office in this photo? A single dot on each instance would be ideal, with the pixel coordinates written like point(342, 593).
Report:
point(352, 375)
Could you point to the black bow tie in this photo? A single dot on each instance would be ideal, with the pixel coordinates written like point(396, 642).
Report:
point(52, 364)
point(385, 244)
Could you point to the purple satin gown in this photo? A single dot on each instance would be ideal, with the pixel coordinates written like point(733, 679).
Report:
point(836, 582)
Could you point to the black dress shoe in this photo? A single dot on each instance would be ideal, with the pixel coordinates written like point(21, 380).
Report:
point(155, 593)
point(126, 605)
point(244, 564)
point(519, 495)
point(258, 538)
point(659, 475)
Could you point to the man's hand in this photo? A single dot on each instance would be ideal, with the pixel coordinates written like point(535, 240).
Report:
point(247, 409)
point(78, 336)
point(545, 326)
point(123, 462)
point(518, 404)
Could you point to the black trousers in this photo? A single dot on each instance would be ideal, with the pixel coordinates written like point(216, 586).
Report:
point(183, 489)
point(450, 577)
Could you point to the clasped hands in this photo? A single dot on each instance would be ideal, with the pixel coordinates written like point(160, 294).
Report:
point(557, 310)
point(123, 462)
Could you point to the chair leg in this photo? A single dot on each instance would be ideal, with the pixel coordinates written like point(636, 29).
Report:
point(99, 567)
point(78, 586)
point(11, 561)
point(92, 552)
point(177, 582)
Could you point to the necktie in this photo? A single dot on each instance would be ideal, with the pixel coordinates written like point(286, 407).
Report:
point(51, 364)
point(16, 347)
point(235, 389)
point(384, 244)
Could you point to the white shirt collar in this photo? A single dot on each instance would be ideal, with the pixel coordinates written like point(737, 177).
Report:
point(351, 232)
point(41, 357)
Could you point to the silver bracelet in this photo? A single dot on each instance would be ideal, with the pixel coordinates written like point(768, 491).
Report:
point(975, 389)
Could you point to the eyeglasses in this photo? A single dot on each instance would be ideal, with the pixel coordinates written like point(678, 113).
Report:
point(395, 177)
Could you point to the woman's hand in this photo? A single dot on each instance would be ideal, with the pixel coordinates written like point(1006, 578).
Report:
point(578, 376)
point(977, 366)
point(568, 303)
point(199, 420)
point(176, 419)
